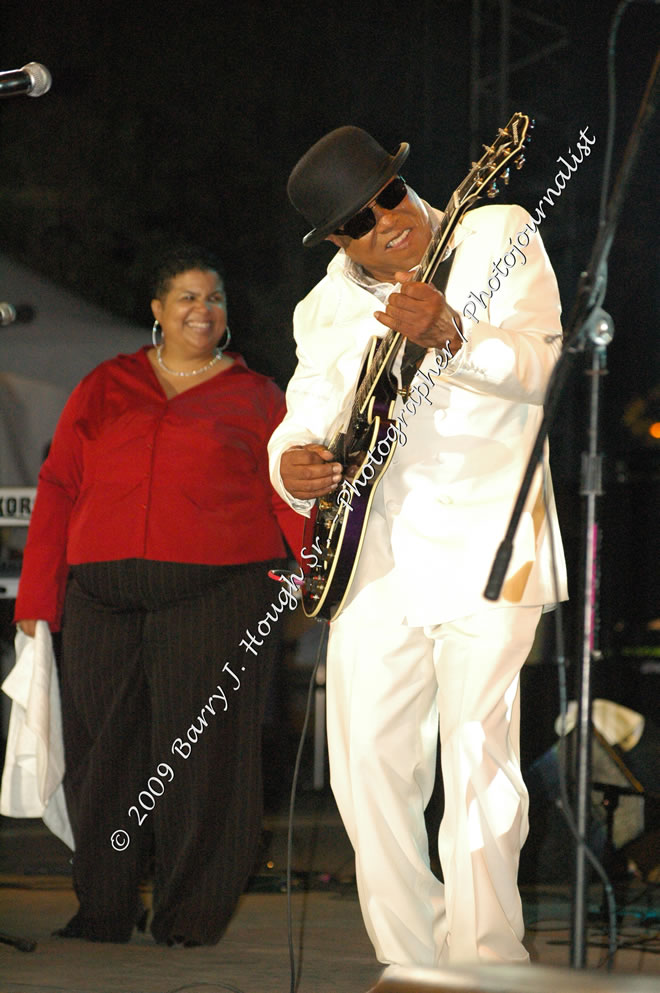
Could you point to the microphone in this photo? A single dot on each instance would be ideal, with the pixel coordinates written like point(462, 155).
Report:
point(33, 79)
point(23, 313)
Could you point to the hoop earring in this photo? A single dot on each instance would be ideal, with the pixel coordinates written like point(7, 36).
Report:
point(154, 332)
point(219, 350)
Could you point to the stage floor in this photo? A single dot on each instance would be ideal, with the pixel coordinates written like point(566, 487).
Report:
point(332, 951)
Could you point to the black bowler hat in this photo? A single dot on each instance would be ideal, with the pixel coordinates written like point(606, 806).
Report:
point(341, 173)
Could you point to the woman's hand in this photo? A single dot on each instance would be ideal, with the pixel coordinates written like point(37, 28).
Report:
point(27, 627)
point(308, 471)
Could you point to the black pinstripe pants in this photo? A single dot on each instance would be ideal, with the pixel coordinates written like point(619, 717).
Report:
point(150, 660)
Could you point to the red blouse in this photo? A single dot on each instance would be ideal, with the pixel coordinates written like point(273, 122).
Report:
point(131, 474)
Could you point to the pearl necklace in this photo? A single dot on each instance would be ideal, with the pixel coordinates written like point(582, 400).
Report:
point(195, 372)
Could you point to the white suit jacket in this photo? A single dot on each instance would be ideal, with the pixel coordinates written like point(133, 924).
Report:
point(447, 496)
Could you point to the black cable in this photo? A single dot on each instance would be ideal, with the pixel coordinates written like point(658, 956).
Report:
point(216, 986)
point(611, 96)
point(294, 785)
point(611, 116)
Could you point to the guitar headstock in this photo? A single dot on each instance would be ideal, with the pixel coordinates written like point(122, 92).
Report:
point(497, 158)
point(507, 149)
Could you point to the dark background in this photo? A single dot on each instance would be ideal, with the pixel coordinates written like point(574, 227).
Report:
point(168, 120)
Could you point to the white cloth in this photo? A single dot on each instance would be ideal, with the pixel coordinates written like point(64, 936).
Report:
point(34, 761)
point(448, 493)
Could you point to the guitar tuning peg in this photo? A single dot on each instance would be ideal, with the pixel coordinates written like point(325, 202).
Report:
point(488, 149)
point(492, 190)
point(503, 131)
point(506, 175)
point(519, 162)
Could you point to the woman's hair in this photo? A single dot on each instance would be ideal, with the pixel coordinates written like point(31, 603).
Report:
point(178, 260)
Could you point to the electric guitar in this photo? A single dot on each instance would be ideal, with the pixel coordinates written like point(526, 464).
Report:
point(338, 521)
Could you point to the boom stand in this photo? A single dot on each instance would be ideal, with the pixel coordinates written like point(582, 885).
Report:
point(599, 332)
point(588, 327)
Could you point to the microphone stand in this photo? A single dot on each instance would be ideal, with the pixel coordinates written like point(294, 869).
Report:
point(589, 329)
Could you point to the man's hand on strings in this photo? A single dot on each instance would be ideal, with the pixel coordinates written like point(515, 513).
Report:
point(308, 471)
point(421, 312)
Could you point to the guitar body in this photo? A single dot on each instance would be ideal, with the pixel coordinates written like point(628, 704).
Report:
point(338, 520)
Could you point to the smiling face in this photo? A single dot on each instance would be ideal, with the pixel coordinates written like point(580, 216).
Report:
point(192, 314)
point(395, 244)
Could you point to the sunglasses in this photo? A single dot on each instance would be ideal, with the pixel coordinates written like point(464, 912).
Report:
point(365, 219)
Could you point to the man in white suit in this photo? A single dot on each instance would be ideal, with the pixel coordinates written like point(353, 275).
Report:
point(416, 645)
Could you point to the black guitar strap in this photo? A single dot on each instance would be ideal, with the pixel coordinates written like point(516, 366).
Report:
point(412, 353)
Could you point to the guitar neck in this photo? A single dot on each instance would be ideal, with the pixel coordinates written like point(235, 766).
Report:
point(391, 341)
point(437, 247)
point(496, 159)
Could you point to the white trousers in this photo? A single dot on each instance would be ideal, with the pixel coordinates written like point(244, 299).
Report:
point(388, 686)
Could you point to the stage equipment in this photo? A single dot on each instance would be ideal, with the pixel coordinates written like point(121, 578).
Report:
point(626, 774)
point(16, 503)
point(589, 330)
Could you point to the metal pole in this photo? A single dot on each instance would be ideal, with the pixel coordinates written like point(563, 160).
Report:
point(590, 490)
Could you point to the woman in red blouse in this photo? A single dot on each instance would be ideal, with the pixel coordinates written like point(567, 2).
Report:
point(153, 530)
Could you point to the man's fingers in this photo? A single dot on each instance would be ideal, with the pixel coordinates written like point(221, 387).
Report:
point(319, 450)
point(398, 304)
point(315, 470)
point(309, 471)
point(419, 295)
point(414, 288)
point(418, 309)
point(311, 455)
